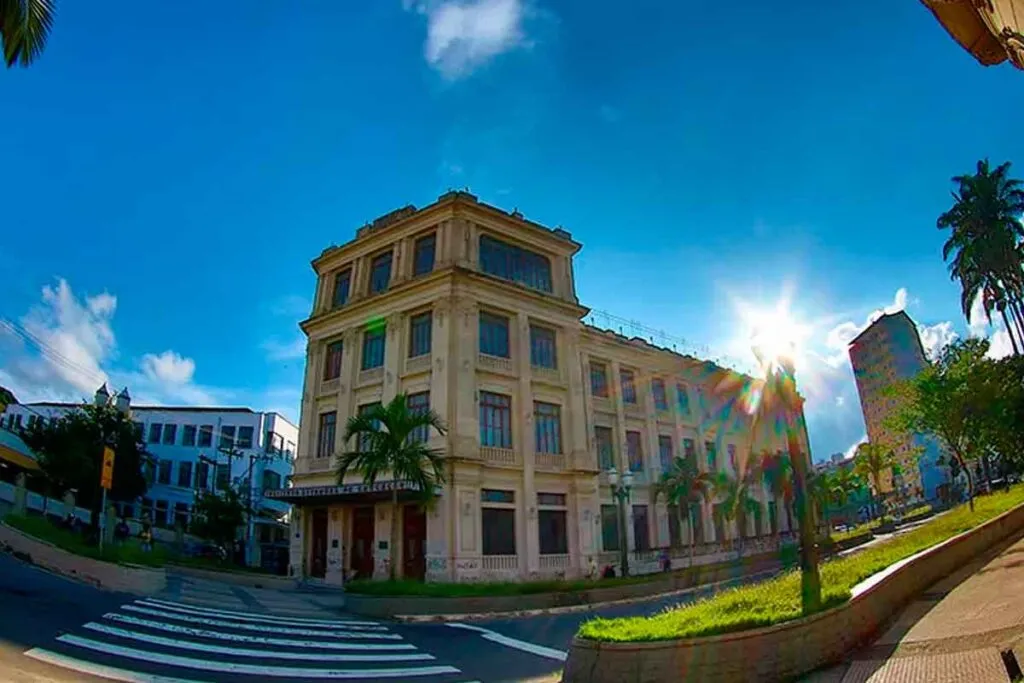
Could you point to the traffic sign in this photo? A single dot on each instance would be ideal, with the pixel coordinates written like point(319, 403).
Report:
point(107, 475)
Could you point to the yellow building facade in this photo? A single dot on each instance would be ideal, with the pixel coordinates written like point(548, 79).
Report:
point(472, 311)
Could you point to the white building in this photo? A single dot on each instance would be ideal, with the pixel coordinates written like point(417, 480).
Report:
point(190, 447)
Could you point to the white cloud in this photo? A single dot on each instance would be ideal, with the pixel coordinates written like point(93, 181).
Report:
point(999, 341)
point(936, 337)
point(277, 350)
point(852, 450)
point(839, 337)
point(465, 34)
point(168, 367)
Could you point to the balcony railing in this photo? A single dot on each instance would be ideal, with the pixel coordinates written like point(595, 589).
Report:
point(551, 563)
point(371, 375)
point(500, 563)
point(553, 462)
point(494, 362)
point(418, 363)
point(329, 386)
point(546, 374)
point(503, 457)
point(604, 404)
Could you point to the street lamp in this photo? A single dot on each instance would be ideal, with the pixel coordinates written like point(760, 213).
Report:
point(620, 492)
point(780, 386)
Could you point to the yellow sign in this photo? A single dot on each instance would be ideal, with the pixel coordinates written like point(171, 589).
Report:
point(107, 476)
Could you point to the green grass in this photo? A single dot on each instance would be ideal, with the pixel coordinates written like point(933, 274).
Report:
point(130, 552)
point(778, 600)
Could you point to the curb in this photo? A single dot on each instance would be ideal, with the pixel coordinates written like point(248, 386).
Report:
point(572, 609)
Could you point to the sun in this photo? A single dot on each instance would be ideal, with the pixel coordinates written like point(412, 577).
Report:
point(774, 334)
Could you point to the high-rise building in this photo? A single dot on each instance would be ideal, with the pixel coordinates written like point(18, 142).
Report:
point(887, 352)
point(472, 311)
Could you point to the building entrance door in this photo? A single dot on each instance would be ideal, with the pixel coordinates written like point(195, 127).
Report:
point(414, 542)
point(362, 542)
point(318, 544)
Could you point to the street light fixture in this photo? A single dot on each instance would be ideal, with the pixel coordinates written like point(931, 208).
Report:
point(620, 492)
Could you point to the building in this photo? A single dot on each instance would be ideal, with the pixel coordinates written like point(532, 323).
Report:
point(189, 447)
point(991, 31)
point(473, 312)
point(887, 352)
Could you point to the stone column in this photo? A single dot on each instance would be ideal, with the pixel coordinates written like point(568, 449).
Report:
point(335, 573)
point(615, 384)
point(526, 442)
point(393, 353)
point(296, 538)
point(351, 349)
point(465, 423)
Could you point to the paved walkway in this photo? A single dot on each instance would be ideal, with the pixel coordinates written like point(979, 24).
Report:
point(226, 596)
point(957, 631)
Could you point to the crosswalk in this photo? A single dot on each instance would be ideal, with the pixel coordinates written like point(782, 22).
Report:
point(163, 641)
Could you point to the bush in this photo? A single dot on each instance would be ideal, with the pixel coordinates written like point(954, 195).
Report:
point(778, 600)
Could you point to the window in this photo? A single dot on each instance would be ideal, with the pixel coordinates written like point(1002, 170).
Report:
point(658, 389)
point(419, 334)
point(684, 399)
point(690, 451)
point(206, 435)
point(494, 335)
point(170, 434)
point(547, 423)
point(380, 273)
point(154, 432)
point(712, 451)
point(181, 515)
point(495, 420)
point(665, 452)
point(245, 437)
point(551, 499)
point(202, 475)
point(419, 404)
point(363, 442)
point(635, 452)
point(227, 436)
point(423, 255)
point(605, 449)
point(552, 529)
point(609, 528)
point(185, 475)
point(271, 480)
point(641, 528)
point(542, 348)
point(342, 285)
point(332, 361)
point(223, 477)
point(373, 349)
point(599, 380)
point(514, 263)
point(164, 472)
point(188, 435)
point(499, 531)
point(325, 438)
point(497, 496)
point(628, 383)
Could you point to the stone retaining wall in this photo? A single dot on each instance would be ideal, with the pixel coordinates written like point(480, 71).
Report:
point(131, 579)
point(390, 606)
point(782, 652)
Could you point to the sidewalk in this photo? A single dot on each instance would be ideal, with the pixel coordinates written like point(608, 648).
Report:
point(226, 596)
point(957, 631)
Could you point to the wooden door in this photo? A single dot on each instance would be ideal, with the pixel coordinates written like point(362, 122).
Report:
point(362, 542)
point(414, 543)
point(318, 544)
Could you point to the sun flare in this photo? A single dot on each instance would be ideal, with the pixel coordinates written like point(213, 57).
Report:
point(775, 334)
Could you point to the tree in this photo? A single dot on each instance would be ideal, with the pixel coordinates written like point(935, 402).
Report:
point(984, 244)
point(738, 503)
point(684, 485)
point(24, 27)
point(392, 438)
point(871, 461)
point(218, 516)
point(6, 398)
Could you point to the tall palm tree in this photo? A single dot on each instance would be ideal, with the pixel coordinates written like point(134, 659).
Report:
point(985, 244)
point(738, 503)
point(684, 485)
point(392, 439)
point(24, 27)
point(871, 462)
point(777, 474)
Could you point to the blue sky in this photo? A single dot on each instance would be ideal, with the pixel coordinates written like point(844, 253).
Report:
point(170, 169)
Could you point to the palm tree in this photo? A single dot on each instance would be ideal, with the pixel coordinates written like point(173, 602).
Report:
point(985, 244)
point(871, 462)
point(737, 502)
point(24, 27)
point(777, 474)
point(393, 439)
point(684, 485)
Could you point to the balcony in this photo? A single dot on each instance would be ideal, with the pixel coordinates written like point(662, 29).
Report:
point(500, 457)
point(552, 564)
point(494, 363)
point(634, 409)
point(329, 386)
point(549, 375)
point(417, 364)
point(550, 462)
point(500, 563)
point(372, 375)
point(603, 404)
point(313, 464)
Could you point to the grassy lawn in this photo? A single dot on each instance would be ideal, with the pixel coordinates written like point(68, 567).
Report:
point(130, 552)
point(778, 600)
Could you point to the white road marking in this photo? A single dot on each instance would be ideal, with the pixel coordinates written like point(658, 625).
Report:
point(247, 652)
point(252, 669)
point(226, 612)
point(538, 650)
point(262, 628)
point(101, 670)
point(202, 611)
point(243, 638)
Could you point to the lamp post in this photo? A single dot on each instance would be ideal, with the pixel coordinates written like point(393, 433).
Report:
point(620, 492)
point(780, 386)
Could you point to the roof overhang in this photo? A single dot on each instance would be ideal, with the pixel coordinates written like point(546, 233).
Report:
point(990, 30)
point(348, 493)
